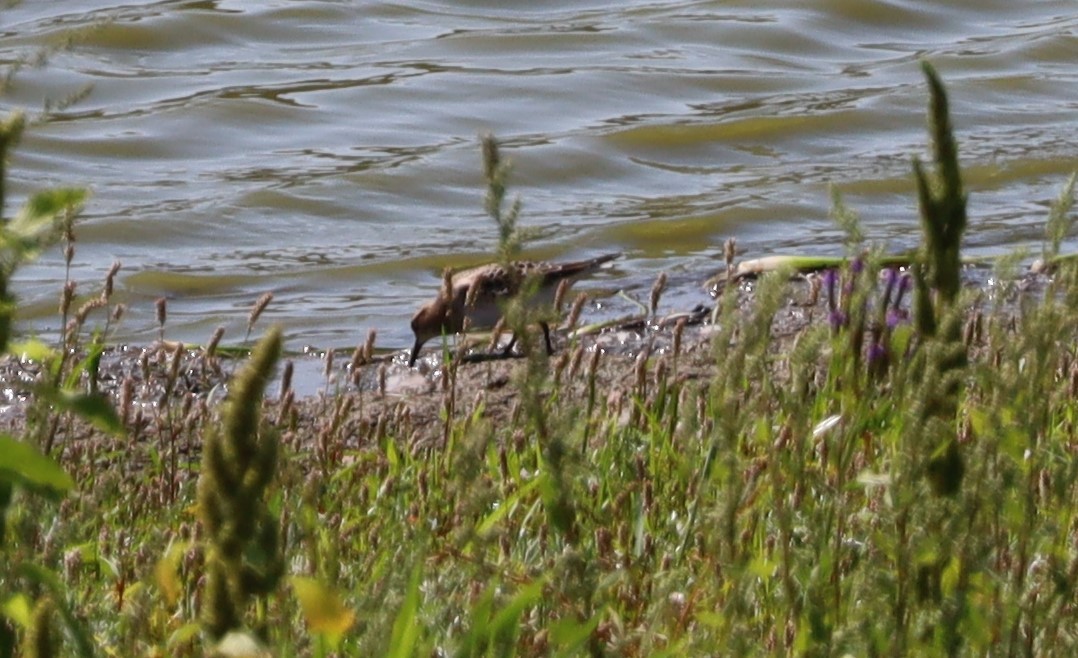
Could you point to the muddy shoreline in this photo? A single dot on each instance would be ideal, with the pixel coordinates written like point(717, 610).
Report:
point(155, 387)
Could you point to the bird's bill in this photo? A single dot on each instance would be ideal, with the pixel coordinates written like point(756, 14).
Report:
point(415, 353)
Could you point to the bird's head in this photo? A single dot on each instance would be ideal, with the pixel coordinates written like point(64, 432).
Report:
point(430, 321)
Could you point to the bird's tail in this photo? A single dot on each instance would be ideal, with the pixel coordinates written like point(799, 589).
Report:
point(605, 258)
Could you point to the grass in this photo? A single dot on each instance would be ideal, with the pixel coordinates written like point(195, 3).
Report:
point(897, 480)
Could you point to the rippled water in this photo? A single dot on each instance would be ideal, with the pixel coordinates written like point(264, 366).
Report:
point(328, 152)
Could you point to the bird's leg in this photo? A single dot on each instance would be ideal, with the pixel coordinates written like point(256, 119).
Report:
point(546, 335)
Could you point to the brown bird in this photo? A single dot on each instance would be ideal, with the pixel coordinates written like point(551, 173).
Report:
point(493, 287)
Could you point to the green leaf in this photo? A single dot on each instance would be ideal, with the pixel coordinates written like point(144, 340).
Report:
point(167, 573)
point(36, 226)
point(183, 635)
point(950, 578)
point(393, 457)
point(763, 568)
point(507, 621)
point(77, 630)
point(900, 340)
point(24, 464)
point(406, 626)
point(37, 219)
point(17, 608)
point(570, 635)
point(479, 633)
point(32, 350)
point(322, 608)
point(93, 407)
point(506, 506)
point(89, 365)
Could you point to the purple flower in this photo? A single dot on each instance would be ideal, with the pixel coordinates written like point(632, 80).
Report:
point(857, 265)
point(877, 353)
point(838, 319)
point(895, 317)
point(890, 278)
point(830, 278)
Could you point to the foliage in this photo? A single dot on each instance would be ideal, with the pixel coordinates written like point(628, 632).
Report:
point(24, 469)
point(799, 499)
point(238, 463)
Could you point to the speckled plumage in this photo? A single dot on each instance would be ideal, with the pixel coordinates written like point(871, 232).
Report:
point(494, 285)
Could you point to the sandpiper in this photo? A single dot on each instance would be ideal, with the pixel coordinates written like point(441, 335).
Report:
point(494, 285)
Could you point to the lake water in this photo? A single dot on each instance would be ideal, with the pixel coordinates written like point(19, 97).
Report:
point(328, 151)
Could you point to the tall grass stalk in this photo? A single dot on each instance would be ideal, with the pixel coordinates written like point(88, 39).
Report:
point(239, 462)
